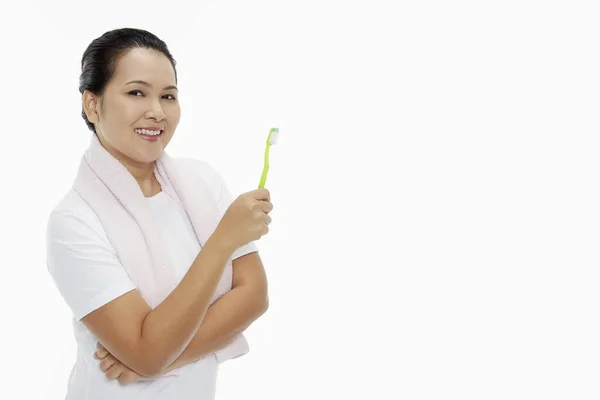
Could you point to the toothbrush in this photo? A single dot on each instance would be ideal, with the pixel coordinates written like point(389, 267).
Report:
point(271, 139)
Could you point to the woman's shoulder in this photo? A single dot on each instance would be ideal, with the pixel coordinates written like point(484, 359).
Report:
point(72, 213)
point(73, 204)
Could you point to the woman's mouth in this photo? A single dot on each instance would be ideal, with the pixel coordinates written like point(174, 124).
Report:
point(151, 135)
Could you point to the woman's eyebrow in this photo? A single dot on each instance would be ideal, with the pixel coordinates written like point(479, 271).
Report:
point(144, 83)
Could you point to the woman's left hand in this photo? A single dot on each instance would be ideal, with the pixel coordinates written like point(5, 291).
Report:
point(114, 369)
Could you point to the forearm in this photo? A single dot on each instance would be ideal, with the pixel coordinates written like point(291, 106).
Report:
point(229, 316)
point(170, 327)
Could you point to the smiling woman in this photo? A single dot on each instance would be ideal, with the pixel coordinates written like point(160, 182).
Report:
point(156, 260)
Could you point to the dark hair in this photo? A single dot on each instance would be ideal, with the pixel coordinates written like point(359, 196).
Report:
point(100, 59)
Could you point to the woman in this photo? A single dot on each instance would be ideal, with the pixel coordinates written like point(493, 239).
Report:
point(156, 261)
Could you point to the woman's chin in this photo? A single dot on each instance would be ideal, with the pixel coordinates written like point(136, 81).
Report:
point(148, 157)
point(143, 154)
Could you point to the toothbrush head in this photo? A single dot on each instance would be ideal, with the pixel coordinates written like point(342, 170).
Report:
point(273, 136)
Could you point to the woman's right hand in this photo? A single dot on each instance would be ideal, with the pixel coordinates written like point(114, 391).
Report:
point(246, 219)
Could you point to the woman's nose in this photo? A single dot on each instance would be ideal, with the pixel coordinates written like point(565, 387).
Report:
point(155, 112)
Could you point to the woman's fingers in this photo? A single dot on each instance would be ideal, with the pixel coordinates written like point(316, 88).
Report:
point(107, 362)
point(115, 371)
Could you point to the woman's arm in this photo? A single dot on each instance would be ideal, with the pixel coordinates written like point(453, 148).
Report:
point(227, 317)
point(148, 340)
point(233, 313)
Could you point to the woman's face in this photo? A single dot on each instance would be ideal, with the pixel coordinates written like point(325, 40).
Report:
point(140, 99)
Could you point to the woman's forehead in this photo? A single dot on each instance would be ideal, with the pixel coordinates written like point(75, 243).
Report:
point(145, 65)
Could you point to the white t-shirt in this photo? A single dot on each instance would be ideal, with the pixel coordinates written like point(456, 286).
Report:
point(88, 274)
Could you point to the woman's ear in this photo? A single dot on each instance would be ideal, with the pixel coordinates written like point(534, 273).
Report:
point(90, 106)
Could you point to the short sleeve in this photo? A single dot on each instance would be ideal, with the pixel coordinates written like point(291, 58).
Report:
point(83, 264)
point(222, 196)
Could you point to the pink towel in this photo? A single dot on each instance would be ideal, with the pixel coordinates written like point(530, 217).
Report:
point(116, 198)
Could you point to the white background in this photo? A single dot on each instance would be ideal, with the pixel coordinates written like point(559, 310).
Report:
point(437, 206)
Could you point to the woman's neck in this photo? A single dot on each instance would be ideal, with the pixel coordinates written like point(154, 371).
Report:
point(146, 179)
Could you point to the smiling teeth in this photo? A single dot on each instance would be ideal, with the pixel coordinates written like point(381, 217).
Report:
point(148, 132)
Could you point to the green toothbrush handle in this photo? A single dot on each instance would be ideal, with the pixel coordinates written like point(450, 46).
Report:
point(263, 178)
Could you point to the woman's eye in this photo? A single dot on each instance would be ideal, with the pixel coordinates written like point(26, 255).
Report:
point(139, 93)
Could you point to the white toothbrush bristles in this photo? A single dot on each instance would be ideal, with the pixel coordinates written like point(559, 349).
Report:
point(274, 136)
